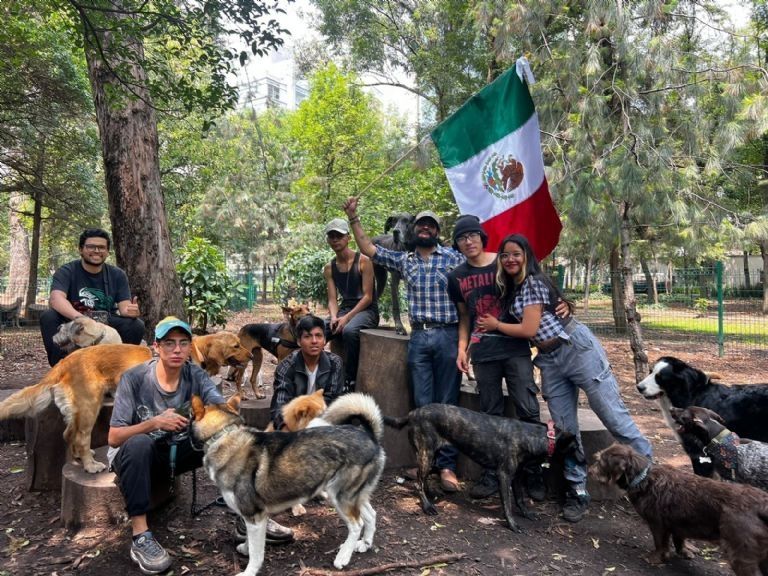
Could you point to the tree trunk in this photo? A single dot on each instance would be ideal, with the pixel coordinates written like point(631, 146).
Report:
point(650, 281)
point(18, 254)
point(630, 305)
point(128, 133)
point(34, 257)
point(264, 272)
point(587, 282)
point(747, 281)
point(764, 254)
point(617, 294)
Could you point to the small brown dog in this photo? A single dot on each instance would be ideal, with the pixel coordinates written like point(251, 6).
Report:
point(83, 332)
point(212, 351)
point(680, 505)
point(278, 339)
point(77, 384)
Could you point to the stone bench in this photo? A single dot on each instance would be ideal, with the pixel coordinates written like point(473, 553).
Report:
point(12, 428)
point(255, 412)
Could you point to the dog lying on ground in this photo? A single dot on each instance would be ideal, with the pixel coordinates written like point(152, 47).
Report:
point(744, 409)
point(77, 385)
point(680, 505)
point(83, 332)
point(212, 351)
point(402, 239)
point(278, 339)
point(261, 473)
point(739, 460)
point(494, 442)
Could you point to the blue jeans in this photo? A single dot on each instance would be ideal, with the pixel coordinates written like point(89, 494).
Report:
point(434, 376)
point(582, 364)
point(368, 318)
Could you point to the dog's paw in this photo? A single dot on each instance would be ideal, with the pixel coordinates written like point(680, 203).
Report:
point(363, 546)
point(430, 509)
point(94, 467)
point(298, 510)
point(530, 514)
point(260, 395)
point(342, 560)
point(242, 549)
point(656, 557)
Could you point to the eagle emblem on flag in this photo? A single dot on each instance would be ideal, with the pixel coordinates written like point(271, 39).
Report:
point(502, 175)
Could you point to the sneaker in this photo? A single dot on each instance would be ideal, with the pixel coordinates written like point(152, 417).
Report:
point(487, 486)
point(276, 533)
point(535, 486)
point(149, 555)
point(448, 480)
point(576, 504)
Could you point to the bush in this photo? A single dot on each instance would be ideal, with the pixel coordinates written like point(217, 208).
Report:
point(701, 305)
point(301, 276)
point(207, 287)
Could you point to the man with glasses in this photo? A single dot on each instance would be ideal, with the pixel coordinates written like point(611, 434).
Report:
point(90, 286)
point(149, 435)
point(434, 321)
point(349, 276)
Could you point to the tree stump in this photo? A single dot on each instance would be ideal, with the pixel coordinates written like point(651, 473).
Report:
point(383, 373)
point(12, 428)
point(255, 412)
point(46, 450)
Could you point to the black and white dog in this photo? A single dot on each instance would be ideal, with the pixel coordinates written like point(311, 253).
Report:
point(744, 409)
point(398, 236)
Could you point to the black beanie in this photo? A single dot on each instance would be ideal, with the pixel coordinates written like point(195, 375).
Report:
point(468, 223)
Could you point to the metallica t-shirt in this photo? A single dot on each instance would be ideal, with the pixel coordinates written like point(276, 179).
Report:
point(476, 287)
point(101, 291)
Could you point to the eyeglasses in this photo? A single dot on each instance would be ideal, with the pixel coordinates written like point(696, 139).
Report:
point(469, 236)
point(170, 345)
point(504, 256)
point(96, 248)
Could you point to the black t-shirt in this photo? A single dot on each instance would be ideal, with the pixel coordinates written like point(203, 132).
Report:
point(475, 286)
point(87, 291)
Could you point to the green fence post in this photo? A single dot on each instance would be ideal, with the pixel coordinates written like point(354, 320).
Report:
point(249, 297)
point(560, 276)
point(720, 310)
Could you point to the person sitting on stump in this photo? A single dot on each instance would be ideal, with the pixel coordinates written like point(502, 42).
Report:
point(89, 286)
point(148, 434)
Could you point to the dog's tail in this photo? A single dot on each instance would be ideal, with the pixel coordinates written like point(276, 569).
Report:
point(32, 399)
point(397, 423)
point(357, 409)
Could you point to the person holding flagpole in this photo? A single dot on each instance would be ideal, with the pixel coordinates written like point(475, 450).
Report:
point(570, 359)
point(433, 345)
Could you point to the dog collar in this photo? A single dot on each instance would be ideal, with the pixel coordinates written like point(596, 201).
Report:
point(223, 432)
point(639, 478)
point(550, 437)
point(100, 338)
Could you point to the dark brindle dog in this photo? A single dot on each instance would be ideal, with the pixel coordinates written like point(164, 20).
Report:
point(680, 505)
point(401, 238)
point(502, 444)
point(278, 339)
point(739, 460)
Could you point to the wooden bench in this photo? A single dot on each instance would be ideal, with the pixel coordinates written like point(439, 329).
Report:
point(10, 313)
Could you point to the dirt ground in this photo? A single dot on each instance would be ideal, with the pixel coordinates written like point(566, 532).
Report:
point(610, 540)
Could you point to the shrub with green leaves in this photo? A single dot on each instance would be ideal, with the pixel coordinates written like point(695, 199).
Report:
point(301, 276)
point(207, 286)
point(701, 305)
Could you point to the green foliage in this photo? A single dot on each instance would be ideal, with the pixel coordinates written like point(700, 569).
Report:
point(301, 276)
point(207, 287)
point(701, 305)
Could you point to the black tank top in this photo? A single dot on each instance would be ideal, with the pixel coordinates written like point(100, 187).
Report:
point(350, 285)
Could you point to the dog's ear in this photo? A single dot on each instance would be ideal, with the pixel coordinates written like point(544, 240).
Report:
point(389, 224)
point(715, 416)
point(234, 403)
point(198, 408)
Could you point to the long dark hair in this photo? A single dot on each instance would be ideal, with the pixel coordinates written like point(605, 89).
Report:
point(509, 286)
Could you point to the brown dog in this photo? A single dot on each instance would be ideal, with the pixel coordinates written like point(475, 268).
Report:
point(77, 384)
point(682, 505)
point(278, 339)
point(212, 351)
point(83, 332)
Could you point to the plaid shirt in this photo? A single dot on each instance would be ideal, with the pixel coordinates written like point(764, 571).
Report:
point(426, 281)
point(534, 291)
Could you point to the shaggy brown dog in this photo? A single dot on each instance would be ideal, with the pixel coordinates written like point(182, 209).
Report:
point(77, 384)
point(682, 505)
point(212, 351)
point(278, 339)
point(83, 332)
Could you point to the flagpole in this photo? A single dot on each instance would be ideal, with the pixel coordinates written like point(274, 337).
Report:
point(392, 166)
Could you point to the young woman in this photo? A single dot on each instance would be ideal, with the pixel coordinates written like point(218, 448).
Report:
point(569, 356)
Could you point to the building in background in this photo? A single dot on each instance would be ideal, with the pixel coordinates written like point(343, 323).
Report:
point(272, 82)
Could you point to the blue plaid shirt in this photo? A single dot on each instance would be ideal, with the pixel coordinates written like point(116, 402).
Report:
point(426, 281)
point(535, 291)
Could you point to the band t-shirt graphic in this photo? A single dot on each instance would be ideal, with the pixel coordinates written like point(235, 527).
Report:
point(86, 292)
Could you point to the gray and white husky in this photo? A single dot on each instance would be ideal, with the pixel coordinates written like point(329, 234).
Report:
point(262, 473)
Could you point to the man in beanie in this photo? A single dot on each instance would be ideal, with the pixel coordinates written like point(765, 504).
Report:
point(434, 321)
point(148, 433)
point(495, 357)
point(349, 276)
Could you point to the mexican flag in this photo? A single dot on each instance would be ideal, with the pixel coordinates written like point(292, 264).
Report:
point(491, 152)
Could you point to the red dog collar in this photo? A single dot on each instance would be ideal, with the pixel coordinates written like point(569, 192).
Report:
point(550, 437)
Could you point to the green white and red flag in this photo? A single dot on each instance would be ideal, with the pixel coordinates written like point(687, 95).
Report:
point(491, 151)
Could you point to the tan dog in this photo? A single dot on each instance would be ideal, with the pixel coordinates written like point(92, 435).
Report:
point(213, 351)
point(278, 339)
point(83, 332)
point(77, 385)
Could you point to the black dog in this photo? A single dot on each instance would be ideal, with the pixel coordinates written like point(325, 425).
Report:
point(744, 409)
point(402, 239)
point(502, 444)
